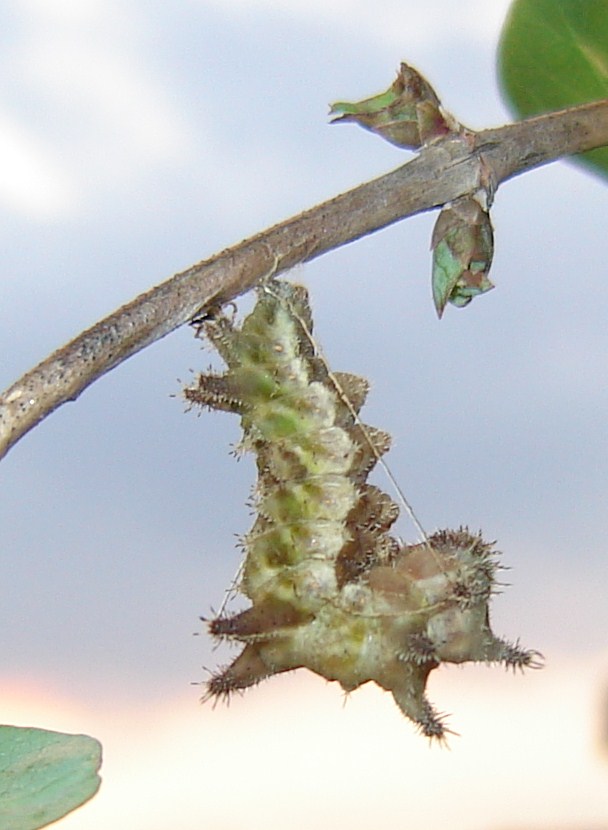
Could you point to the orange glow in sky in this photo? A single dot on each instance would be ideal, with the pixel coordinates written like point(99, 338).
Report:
point(293, 753)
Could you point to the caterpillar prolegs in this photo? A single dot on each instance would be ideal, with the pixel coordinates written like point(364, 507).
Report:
point(330, 589)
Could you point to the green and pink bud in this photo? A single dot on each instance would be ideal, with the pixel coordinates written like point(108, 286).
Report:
point(463, 247)
point(408, 114)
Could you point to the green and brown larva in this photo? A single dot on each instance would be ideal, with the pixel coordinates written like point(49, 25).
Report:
point(330, 589)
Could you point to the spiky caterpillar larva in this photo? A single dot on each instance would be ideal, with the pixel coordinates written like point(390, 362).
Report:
point(330, 589)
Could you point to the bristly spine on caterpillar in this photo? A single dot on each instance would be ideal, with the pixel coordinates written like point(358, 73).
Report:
point(330, 589)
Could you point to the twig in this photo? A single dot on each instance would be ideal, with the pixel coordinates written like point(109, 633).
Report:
point(442, 171)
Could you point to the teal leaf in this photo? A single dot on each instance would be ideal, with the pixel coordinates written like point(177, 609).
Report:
point(44, 775)
point(554, 55)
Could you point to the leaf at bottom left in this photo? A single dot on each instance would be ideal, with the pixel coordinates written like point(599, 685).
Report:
point(44, 775)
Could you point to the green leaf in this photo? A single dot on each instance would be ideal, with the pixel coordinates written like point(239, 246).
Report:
point(44, 775)
point(554, 54)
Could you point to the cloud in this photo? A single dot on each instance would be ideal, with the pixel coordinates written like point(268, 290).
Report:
point(87, 112)
point(392, 22)
point(32, 182)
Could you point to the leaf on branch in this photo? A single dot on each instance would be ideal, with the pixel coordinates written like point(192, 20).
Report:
point(463, 246)
point(44, 775)
point(555, 55)
point(408, 114)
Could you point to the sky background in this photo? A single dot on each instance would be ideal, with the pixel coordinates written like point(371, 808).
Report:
point(139, 137)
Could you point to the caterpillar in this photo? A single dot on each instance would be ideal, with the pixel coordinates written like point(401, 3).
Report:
point(330, 589)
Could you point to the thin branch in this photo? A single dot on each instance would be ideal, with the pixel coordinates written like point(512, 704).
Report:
point(441, 172)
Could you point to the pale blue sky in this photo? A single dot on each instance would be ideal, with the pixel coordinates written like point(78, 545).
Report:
point(138, 137)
